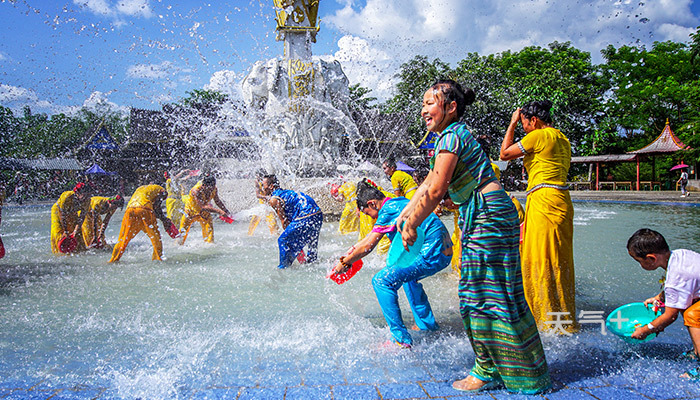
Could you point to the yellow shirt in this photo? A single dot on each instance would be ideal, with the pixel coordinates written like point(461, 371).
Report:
point(547, 157)
point(404, 182)
point(348, 190)
point(144, 196)
point(99, 204)
point(191, 205)
point(174, 189)
point(68, 203)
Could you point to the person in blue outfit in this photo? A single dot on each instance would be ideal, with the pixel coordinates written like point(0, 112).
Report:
point(301, 219)
point(434, 256)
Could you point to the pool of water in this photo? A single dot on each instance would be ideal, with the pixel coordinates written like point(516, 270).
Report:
point(223, 315)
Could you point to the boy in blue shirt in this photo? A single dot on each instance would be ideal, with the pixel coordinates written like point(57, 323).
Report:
point(435, 255)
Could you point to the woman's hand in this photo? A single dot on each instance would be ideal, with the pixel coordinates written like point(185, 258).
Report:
point(341, 267)
point(515, 118)
point(408, 236)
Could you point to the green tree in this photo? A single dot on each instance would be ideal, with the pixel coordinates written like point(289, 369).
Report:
point(505, 81)
point(649, 86)
point(415, 76)
point(359, 98)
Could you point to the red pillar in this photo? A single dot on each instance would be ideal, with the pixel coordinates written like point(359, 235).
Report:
point(597, 175)
point(637, 157)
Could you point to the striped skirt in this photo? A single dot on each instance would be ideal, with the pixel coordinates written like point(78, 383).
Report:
point(497, 318)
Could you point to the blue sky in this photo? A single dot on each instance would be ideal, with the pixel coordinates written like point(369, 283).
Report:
point(60, 55)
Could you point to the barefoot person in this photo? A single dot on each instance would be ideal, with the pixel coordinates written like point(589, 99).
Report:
point(547, 251)
point(435, 255)
point(499, 323)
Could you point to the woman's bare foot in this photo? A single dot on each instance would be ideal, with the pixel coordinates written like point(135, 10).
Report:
point(469, 384)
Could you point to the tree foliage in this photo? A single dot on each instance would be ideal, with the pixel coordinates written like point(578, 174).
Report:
point(40, 135)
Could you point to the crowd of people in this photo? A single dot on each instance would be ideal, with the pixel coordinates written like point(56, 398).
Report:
point(516, 267)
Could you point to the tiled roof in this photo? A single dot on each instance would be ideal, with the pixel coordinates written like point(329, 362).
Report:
point(42, 163)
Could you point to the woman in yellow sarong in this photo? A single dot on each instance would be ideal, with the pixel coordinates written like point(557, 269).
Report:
point(547, 247)
point(140, 216)
point(67, 216)
point(95, 225)
point(367, 223)
point(349, 218)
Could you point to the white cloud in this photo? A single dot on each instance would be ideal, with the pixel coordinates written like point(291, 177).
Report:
point(120, 8)
point(100, 7)
point(138, 8)
point(98, 101)
point(366, 65)
point(449, 29)
point(226, 82)
point(152, 71)
point(9, 94)
point(16, 98)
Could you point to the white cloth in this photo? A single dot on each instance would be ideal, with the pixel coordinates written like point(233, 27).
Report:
point(682, 279)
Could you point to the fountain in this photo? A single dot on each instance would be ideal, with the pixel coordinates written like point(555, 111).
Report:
point(301, 100)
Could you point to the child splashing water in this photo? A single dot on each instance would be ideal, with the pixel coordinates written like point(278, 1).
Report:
point(681, 290)
point(435, 255)
point(498, 320)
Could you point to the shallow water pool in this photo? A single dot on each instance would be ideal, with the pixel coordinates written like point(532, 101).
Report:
point(222, 315)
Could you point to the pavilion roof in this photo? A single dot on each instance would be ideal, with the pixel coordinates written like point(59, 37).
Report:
point(667, 142)
point(604, 158)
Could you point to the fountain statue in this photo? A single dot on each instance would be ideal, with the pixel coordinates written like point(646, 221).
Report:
point(301, 100)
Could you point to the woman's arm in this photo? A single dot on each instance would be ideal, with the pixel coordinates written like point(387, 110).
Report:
point(420, 192)
point(438, 181)
point(510, 150)
point(359, 250)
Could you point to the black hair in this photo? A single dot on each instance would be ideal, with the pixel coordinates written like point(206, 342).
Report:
point(209, 180)
point(540, 109)
point(452, 91)
point(366, 191)
point(390, 161)
point(646, 241)
point(272, 178)
point(260, 173)
point(420, 173)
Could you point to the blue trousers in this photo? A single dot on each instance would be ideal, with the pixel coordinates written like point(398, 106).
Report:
point(298, 234)
point(386, 284)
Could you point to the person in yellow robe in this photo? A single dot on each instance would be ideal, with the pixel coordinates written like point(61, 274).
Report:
point(402, 183)
point(547, 245)
point(95, 224)
point(173, 203)
point(199, 209)
point(349, 218)
point(271, 217)
point(67, 216)
point(367, 223)
point(140, 215)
